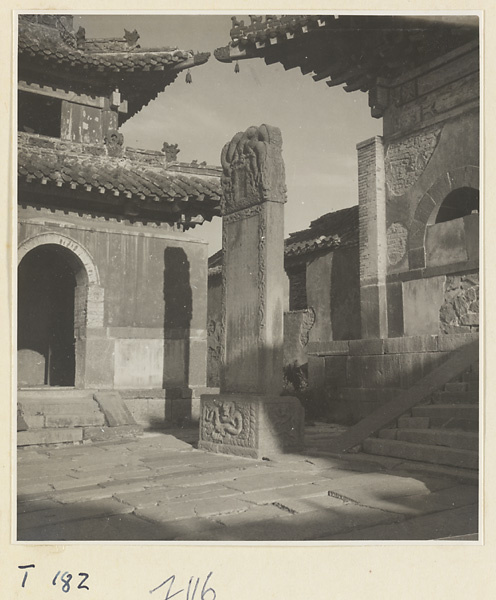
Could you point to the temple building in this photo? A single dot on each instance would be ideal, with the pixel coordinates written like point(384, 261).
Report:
point(417, 222)
point(111, 290)
point(323, 289)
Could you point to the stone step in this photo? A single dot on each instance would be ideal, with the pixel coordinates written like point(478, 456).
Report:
point(456, 386)
point(453, 397)
point(60, 435)
point(413, 422)
point(454, 423)
point(448, 411)
point(49, 436)
point(471, 376)
point(75, 420)
point(33, 421)
point(463, 440)
point(102, 434)
point(449, 416)
point(60, 408)
point(34, 407)
point(438, 455)
point(53, 394)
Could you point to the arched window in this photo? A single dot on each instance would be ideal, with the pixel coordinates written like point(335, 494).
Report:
point(458, 203)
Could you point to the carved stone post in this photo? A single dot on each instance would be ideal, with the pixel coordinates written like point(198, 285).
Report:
point(249, 417)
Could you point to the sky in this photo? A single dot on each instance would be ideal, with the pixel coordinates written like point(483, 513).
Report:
point(320, 126)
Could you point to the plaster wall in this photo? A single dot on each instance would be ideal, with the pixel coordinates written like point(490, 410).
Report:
point(319, 274)
point(154, 286)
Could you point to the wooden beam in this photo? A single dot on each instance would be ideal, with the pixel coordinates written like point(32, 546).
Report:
point(54, 92)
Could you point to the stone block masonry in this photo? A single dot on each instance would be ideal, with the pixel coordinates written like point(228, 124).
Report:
point(360, 375)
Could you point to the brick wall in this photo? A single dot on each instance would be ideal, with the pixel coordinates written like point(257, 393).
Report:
point(372, 236)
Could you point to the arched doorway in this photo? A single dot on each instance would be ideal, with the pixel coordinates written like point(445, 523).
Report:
point(59, 300)
point(45, 332)
point(458, 203)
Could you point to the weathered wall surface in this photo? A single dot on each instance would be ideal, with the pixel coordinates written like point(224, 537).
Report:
point(319, 271)
point(332, 294)
point(153, 283)
point(419, 248)
point(214, 316)
point(459, 312)
point(445, 153)
point(333, 291)
point(345, 294)
point(297, 327)
point(453, 242)
point(357, 376)
point(422, 299)
point(431, 143)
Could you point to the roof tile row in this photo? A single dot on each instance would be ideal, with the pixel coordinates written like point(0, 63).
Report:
point(46, 42)
point(116, 175)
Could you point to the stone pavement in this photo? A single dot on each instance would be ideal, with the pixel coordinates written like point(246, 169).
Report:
point(159, 487)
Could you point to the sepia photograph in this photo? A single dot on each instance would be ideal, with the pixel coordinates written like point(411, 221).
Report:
point(246, 278)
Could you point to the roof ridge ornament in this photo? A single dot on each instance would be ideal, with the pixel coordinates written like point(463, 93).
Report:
point(114, 141)
point(131, 37)
point(171, 151)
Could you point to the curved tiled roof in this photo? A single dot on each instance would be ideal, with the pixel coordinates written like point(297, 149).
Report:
point(89, 168)
point(332, 230)
point(349, 50)
point(47, 43)
point(336, 229)
point(52, 54)
point(269, 30)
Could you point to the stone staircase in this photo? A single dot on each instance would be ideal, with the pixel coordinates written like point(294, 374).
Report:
point(66, 415)
point(443, 430)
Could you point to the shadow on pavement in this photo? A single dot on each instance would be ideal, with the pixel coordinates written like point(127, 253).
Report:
point(301, 497)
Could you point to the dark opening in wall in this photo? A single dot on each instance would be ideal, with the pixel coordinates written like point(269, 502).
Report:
point(45, 332)
point(458, 203)
point(298, 287)
point(39, 114)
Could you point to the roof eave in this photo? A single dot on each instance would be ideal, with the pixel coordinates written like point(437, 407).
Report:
point(229, 53)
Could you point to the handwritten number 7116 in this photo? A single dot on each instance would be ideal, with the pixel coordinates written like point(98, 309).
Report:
point(207, 593)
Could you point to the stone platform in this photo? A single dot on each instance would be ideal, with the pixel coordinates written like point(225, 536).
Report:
point(255, 426)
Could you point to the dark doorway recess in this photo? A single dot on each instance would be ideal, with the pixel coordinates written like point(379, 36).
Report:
point(458, 203)
point(178, 312)
point(45, 331)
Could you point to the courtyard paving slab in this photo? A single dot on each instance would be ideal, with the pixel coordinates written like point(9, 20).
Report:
point(159, 487)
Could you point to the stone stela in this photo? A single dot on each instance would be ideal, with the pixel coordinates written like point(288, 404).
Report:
point(249, 417)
